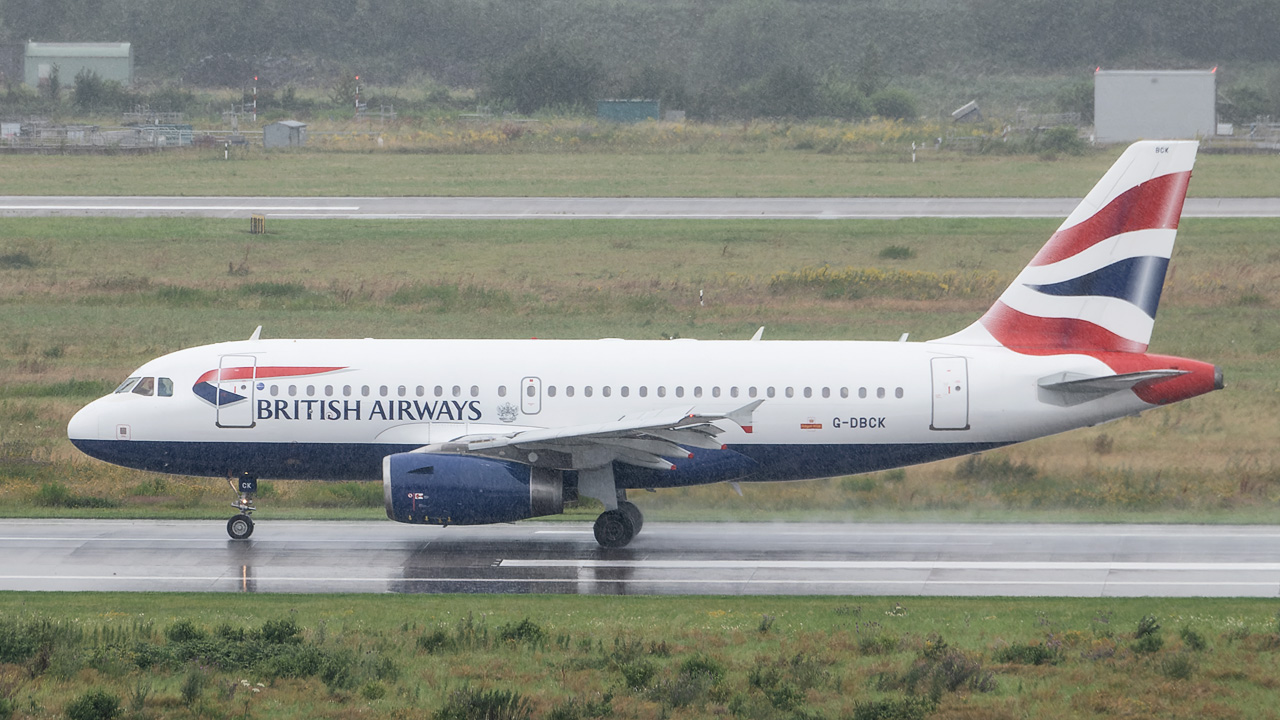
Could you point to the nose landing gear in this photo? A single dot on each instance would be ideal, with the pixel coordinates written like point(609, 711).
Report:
point(240, 527)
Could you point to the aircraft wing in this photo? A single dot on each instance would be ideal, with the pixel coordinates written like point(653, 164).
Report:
point(643, 439)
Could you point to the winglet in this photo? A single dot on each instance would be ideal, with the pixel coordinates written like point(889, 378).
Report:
point(742, 416)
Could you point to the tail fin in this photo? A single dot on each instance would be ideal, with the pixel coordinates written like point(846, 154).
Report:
point(1095, 285)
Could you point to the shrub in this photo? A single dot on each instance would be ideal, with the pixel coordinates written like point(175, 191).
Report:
point(577, 708)
point(281, 632)
point(338, 671)
point(1147, 635)
point(895, 105)
point(94, 705)
point(16, 261)
point(897, 252)
point(1019, 654)
point(525, 632)
point(912, 708)
point(184, 631)
point(637, 673)
point(373, 691)
point(1192, 639)
point(1179, 666)
point(469, 704)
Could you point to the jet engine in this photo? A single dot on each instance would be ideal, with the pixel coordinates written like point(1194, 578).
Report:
point(442, 489)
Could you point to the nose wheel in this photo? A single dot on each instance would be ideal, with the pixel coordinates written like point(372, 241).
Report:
point(240, 527)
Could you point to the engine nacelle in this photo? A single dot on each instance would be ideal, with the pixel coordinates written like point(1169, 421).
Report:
point(441, 489)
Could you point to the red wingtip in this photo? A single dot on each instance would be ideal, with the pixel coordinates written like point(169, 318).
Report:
point(746, 429)
point(690, 456)
point(724, 447)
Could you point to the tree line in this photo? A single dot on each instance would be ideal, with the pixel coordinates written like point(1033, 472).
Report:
point(712, 56)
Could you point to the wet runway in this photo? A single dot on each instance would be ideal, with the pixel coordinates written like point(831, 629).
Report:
point(478, 208)
point(667, 558)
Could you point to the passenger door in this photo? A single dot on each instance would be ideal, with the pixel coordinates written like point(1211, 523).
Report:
point(950, 394)
point(237, 376)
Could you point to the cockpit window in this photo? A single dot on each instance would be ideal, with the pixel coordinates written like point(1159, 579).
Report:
point(146, 386)
point(164, 387)
point(127, 385)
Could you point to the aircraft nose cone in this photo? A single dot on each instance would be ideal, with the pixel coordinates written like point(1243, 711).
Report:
point(84, 424)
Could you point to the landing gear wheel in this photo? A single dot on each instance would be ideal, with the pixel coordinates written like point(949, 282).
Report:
point(633, 512)
point(240, 527)
point(614, 529)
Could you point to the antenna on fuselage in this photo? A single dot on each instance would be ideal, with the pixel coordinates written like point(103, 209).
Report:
point(257, 332)
point(759, 334)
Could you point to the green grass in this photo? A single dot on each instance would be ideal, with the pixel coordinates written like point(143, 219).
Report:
point(103, 296)
point(746, 173)
point(189, 655)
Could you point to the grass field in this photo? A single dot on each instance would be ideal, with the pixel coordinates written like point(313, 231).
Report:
point(278, 656)
point(87, 300)
point(766, 168)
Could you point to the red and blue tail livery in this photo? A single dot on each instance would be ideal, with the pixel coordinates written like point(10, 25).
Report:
point(467, 432)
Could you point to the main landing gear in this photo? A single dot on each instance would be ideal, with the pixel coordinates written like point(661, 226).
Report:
point(617, 528)
point(240, 527)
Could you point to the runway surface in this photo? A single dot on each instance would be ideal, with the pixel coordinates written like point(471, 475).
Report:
point(479, 208)
point(667, 558)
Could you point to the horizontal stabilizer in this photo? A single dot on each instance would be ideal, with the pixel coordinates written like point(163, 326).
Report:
point(1074, 388)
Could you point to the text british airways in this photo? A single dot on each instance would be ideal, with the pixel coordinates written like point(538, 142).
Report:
point(380, 410)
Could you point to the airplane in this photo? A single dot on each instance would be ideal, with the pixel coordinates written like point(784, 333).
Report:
point(465, 432)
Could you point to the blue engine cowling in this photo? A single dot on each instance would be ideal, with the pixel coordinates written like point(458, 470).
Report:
point(440, 489)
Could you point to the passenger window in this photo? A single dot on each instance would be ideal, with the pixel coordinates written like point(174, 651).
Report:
point(127, 385)
point(644, 391)
point(606, 391)
point(844, 392)
point(421, 391)
point(402, 391)
point(382, 390)
point(715, 391)
point(475, 391)
point(880, 393)
point(328, 391)
point(311, 391)
point(626, 391)
point(346, 390)
point(679, 391)
point(791, 392)
point(826, 392)
point(751, 391)
point(364, 390)
point(808, 392)
point(898, 393)
point(551, 391)
point(293, 390)
point(733, 391)
point(568, 391)
point(439, 391)
point(531, 391)
point(769, 392)
point(587, 391)
point(662, 391)
point(502, 391)
point(165, 388)
point(862, 393)
point(457, 391)
point(146, 386)
point(274, 390)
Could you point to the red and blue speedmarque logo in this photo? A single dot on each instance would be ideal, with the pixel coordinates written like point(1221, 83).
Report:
point(208, 388)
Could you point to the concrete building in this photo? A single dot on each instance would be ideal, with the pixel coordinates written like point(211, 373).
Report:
point(1154, 105)
point(111, 61)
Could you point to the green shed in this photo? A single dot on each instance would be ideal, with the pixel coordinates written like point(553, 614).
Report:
point(627, 110)
point(111, 61)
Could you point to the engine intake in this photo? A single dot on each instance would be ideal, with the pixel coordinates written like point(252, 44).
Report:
point(441, 489)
